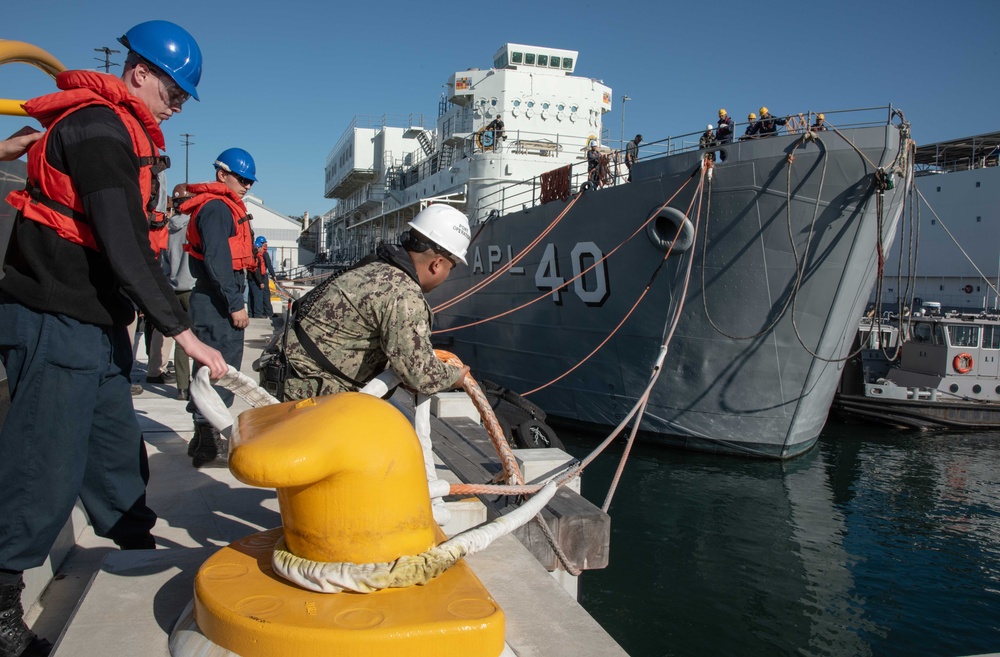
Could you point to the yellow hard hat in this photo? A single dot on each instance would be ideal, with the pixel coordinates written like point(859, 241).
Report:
point(751, 116)
point(722, 113)
point(763, 111)
point(820, 116)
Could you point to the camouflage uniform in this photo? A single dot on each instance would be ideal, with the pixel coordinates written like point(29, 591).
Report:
point(365, 319)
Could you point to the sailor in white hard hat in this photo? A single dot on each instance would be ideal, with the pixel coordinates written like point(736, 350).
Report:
point(374, 315)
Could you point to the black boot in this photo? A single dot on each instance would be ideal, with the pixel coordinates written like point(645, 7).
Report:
point(195, 439)
point(212, 450)
point(16, 640)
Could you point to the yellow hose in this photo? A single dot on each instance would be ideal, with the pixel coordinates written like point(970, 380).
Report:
point(25, 53)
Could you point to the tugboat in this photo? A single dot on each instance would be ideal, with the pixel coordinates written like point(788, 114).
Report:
point(944, 373)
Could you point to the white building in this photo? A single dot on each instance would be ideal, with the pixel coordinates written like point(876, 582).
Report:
point(282, 233)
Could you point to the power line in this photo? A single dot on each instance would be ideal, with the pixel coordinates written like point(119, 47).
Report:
point(187, 142)
point(107, 63)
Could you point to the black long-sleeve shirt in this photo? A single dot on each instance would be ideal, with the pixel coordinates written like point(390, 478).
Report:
point(214, 223)
point(269, 266)
point(50, 274)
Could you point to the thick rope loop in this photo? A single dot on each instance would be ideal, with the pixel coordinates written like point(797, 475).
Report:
point(511, 470)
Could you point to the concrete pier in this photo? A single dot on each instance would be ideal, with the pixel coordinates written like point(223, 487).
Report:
point(94, 600)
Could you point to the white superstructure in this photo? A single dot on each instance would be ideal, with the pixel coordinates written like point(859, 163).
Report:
point(959, 249)
point(384, 169)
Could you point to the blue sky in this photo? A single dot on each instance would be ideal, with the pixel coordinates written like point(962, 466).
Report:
point(283, 79)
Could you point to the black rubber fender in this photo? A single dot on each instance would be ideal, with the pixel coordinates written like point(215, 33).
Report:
point(488, 386)
point(532, 434)
point(517, 400)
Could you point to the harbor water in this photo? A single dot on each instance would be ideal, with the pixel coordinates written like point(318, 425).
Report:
point(877, 542)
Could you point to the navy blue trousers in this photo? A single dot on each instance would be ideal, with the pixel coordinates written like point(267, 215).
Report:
point(211, 323)
point(258, 300)
point(70, 432)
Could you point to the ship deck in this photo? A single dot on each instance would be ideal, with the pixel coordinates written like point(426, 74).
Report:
point(98, 601)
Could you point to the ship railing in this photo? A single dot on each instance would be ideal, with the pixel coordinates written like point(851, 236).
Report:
point(379, 121)
point(526, 193)
point(967, 164)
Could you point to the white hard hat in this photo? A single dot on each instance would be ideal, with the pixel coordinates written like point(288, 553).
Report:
point(446, 226)
point(711, 127)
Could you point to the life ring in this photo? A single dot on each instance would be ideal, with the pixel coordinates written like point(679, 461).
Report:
point(963, 363)
point(486, 139)
point(968, 289)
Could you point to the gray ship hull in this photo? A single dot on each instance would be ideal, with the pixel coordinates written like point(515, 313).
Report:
point(767, 395)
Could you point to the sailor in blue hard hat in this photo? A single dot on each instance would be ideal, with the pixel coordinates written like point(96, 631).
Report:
point(238, 163)
point(81, 239)
point(221, 245)
point(166, 53)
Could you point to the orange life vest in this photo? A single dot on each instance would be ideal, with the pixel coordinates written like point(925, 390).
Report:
point(159, 237)
point(49, 196)
point(240, 244)
point(261, 266)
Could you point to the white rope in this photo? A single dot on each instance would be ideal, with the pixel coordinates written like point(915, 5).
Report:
point(407, 570)
point(364, 578)
point(210, 405)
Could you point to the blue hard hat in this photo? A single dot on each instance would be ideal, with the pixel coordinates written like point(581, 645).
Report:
point(170, 48)
point(260, 240)
point(237, 161)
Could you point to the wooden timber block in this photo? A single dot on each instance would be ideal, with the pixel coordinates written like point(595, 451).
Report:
point(582, 530)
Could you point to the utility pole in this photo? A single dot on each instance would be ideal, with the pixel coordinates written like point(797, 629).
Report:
point(624, 98)
point(187, 142)
point(107, 63)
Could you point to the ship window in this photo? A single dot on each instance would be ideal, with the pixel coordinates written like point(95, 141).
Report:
point(529, 58)
point(554, 63)
point(567, 62)
point(573, 108)
point(545, 105)
point(939, 189)
point(516, 103)
point(516, 57)
point(979, 220)
point(921, 333)
point(963, 336)
point(493, 102)
point(531, 103)
point(977, 389)
point(560, 107)
point(991, 337)
point(543, 60)
point(977, 184)
point(932, 223)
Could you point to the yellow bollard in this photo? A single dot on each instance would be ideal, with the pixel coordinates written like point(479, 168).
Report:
point(349, 474)
point(351, 487)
